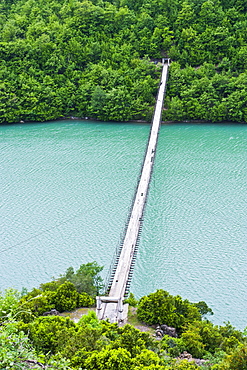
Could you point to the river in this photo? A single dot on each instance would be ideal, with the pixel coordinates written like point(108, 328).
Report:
point(66, 188)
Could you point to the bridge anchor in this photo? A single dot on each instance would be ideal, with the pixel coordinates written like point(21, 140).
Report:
point(117, 311)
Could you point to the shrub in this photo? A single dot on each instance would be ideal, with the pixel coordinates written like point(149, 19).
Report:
point(162, 308)
point(66, 297)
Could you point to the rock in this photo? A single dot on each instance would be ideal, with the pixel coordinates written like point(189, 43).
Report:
point(187, 356)
point(168, 330)
point(200, 362)
point(53, 312)
point(159, 333)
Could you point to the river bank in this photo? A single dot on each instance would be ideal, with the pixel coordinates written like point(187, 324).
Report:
point(88, 119)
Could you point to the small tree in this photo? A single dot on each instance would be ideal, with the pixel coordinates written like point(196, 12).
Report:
point(237, 360)
point(86, 278)
point(66, 297)
point(9, 302)
point(162, 308)
point(109, 359)
point(51, 333)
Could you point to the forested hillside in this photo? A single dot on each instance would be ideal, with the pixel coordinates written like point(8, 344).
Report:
point(93, 59)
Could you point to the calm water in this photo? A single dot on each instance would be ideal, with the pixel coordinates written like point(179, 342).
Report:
point(66, 188)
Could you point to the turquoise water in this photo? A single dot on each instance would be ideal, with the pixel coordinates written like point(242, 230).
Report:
point(66, 191)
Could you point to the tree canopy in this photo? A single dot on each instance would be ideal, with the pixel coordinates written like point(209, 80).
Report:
point(56, 342)
point(71, 290)
point(94, 59)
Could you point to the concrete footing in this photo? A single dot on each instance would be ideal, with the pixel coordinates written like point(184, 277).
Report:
point(112, 309)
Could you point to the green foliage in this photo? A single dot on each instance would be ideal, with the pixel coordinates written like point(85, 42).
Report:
point(201, 338)
point(51, 286)
point(63, 294)
point(56, 342)
point(237, 360)
point(131, 300)
point(86, 279)
point(109, 359)
point(90, 320)
point(203, 308)
point(66, 297)
point(184, 365)
point(17, 352)
point(84, 300)
point(173, 346)
point(49, 334)
point(162, 308)
point(32, 306)
point(74, 59)
point(193, 342)
point(84, 340)
point(146, 358)
point(9, 302)
point(14, 347)
point(133, 340)
point(92, 58)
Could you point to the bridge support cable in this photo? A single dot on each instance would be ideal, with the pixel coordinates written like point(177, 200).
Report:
point(112, 307)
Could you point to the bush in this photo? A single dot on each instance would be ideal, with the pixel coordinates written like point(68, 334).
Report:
point(131, 300)
point(173, 346)
point(50, 333)
point(117, 359)
point(66, 297)
point(84, 300)
point(162, 308)
point(237, 360)
point(9, 302)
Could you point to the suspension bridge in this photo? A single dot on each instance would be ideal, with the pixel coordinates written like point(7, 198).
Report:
point(111, 306)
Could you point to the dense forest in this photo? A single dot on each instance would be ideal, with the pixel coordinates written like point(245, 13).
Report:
point(95, 59)
point(36, 333)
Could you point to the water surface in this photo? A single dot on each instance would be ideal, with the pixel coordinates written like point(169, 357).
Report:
point(66, 188)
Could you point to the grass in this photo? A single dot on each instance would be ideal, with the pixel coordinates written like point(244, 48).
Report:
point(133, 320)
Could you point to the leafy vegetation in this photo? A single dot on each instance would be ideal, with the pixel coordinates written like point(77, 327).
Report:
point(56, 342)
point(92, 59)
point(161, 307)
point(69, 291)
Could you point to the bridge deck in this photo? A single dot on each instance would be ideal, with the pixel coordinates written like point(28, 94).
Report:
point(111, 307)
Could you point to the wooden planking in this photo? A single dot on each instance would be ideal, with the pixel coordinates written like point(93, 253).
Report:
point(106, 308)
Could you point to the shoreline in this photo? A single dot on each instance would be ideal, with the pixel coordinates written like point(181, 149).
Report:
point(84, 119)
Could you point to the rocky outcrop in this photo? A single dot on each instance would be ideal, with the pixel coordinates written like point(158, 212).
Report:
point(165, 330)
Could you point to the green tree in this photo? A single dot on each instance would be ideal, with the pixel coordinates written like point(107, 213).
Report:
point(237, 360)
point(162, 308)
point(66, 297)
point(109, 359)
point(31, 307)
point(86, 279)
point(133, 340)
point(203, 308)
point(193, 342)
point(50, 333)
point(9, 304)
point(146, 358)
point(18, 353)
point(98, 102)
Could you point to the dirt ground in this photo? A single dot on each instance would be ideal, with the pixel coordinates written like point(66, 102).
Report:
point(132, 318)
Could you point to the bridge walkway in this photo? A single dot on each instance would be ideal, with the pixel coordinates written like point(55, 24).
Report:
point(111, 307)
